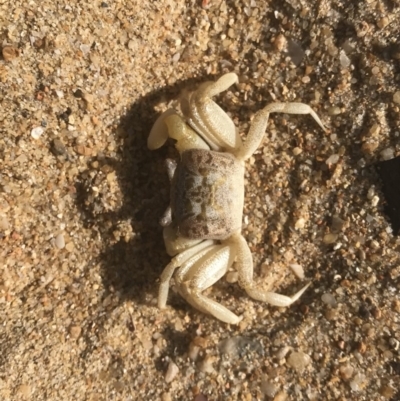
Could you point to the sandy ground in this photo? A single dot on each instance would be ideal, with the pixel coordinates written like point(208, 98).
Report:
point(81, 251)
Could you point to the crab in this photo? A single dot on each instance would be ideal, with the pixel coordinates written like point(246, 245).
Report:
point(202, 225)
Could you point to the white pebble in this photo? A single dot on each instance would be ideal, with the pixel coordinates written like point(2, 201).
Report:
point(329, 299)
point(387, 154)
point(171, 373)
point(375, 201)
point(297, 270)
point(37, 132)
point(344, 60)
point(60, 241)
point(333, 159)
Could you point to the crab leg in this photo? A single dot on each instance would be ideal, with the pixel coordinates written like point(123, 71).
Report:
point(202, 275)
point(260, 122)
point(244, 265)
point(208, 119)
point(178, 260)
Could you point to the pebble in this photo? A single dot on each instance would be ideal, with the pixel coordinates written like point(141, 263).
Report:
point(206, 365)
point(4, 223)
point(359, 382)
point(344, 60)
point(58, 147)
point(297, 151)
point(232, 277)
point(329, 299)
point(236, 346)
point(268, 388)
point(300, 223)
point(280, 43)
point(396, 97)
point(283, 352)
point(333, 159)
point(37, 132)
point(330, 238)
point(297, 270)
point(346, 372)
point(60, 241)
point(75, 331)
point(298, 361)
point(171, 372)
point(383, 22)
point(387, 154)
point(10, 53)
point(334, 110)
point(337, 223)
point(295, 51)
point(281, 396)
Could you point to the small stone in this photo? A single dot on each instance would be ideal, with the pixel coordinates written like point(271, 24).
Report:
point(297, 151)
point(337, 224)
point(232, 277)
point(166, 397)
point(387, 391)
point(83, 150)
point(268, 388)
point(344, 60)
point(60, 241)
point(346, 372)
point(4, 223)
point(295, 52)
point(297, 270)
point(334, 110)
point(329, 299)
point(171, 373)
point(375, 201)
point(369, 147)
point(234, 347)
point(396, 97)
point(330, 238)
point(333, 159)
point(383, 22)
point(37, 132)
point(78, 94)
point(359, 382)
point(298, 361)
point(300, 223)
point(70, 246)
point(75, 331)
point(206, 365)
point(10, 53)
point(280, 43)
point(281, 396)
point(387, 154)
point(58, 147)
point(283, 352)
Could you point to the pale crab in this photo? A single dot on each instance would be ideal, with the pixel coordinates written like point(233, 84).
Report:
point(202, 225)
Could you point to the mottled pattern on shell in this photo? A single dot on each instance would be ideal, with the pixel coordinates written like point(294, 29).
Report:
point(207, 194)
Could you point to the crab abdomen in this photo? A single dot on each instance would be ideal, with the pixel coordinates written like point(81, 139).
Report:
point(207, 194)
